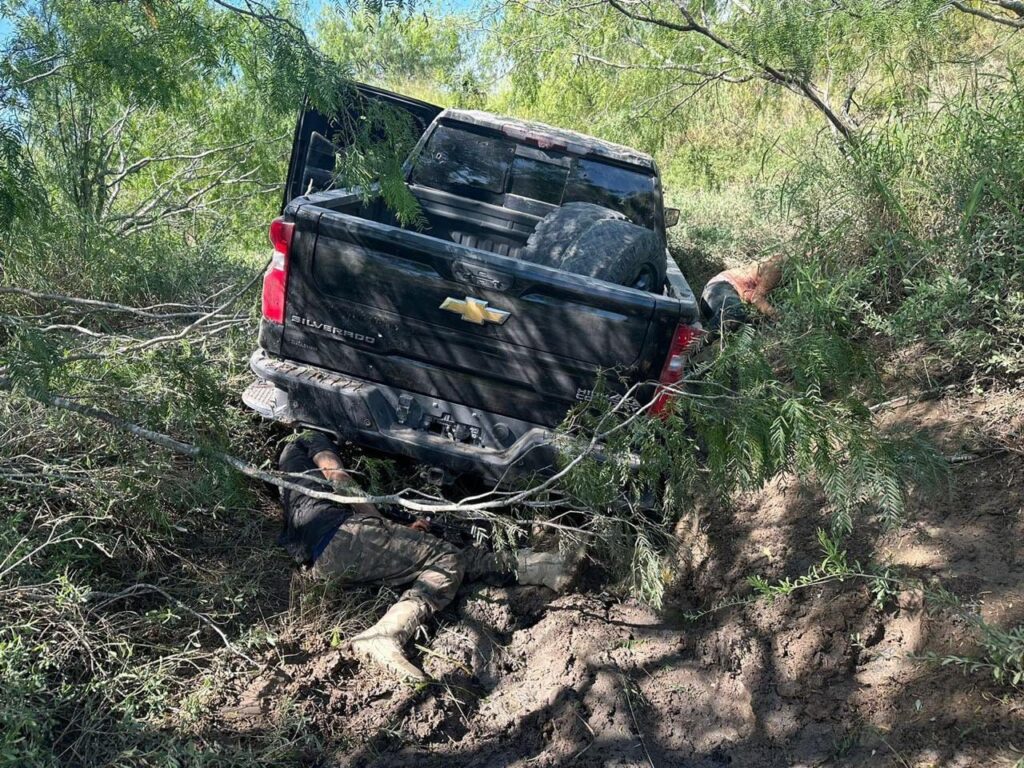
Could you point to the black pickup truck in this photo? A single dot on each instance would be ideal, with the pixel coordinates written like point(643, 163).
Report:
point(538, 264)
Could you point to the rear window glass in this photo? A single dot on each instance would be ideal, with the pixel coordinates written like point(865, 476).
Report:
point(634, 194)
point(538, 180)
point(464, 160)
point(487, 167)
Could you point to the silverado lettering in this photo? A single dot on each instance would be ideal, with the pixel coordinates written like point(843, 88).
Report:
point(332, 329)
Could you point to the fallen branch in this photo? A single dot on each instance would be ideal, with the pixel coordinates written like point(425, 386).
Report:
point(627, 690)
point(199, 321)
point(108, 306)
point(904, 400)
point(281, 480)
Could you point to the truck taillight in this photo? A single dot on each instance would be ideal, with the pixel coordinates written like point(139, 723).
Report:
point(276, 278)
point(683, 340)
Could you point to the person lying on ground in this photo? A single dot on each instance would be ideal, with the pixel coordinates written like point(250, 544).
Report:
point(723, 303)
point(356, 544)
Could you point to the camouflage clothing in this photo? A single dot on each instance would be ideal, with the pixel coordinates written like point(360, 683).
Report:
point(368, 548)
point(308, 522)
point(362, 546)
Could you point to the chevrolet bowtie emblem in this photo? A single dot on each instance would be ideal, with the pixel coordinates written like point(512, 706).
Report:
point(474, 310)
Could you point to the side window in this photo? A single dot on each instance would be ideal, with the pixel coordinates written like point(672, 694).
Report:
point(465, 162)
point(624, 190)
point(538, 180)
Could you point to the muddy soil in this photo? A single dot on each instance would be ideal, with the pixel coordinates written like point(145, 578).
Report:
point(825, 676)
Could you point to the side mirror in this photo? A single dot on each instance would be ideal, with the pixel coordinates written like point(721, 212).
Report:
point(671, 217)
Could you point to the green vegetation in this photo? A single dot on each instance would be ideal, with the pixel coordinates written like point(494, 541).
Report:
point(876, 145)
point(1001, 651)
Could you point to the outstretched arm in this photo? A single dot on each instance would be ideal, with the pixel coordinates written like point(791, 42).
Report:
point(763, 306)
point(328, 462)
point(320, 450)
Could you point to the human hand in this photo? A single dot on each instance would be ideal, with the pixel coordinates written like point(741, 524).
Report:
point(421, 525)
point(340, 479)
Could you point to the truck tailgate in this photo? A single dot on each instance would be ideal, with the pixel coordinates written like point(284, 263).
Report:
point(453, 322)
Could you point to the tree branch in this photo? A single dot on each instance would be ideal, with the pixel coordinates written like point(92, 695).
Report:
point(620, 7)
point(1006, 21)
point(263, 15)
point(107, 306)
point(199, 321)
point(137, 589)
point(799, 85)
point(1016, 6)
point(141, 163)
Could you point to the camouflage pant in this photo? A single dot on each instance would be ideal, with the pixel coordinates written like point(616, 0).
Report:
point(367, 548)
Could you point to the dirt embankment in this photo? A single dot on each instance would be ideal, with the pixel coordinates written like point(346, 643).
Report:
point(824, 676)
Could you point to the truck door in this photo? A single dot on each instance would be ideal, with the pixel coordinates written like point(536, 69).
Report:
point(366, 114)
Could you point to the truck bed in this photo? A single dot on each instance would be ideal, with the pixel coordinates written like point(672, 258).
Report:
point(377, 346)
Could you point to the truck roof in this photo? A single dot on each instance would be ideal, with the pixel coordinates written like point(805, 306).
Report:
point(590, 145)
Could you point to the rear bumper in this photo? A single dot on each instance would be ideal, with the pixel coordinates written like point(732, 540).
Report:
point(431, 431)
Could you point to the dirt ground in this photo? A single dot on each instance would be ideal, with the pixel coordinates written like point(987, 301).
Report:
point(822, 677)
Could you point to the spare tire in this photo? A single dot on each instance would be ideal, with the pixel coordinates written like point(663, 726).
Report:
point(557, 231)
point(591, 240)
point(618, 252)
